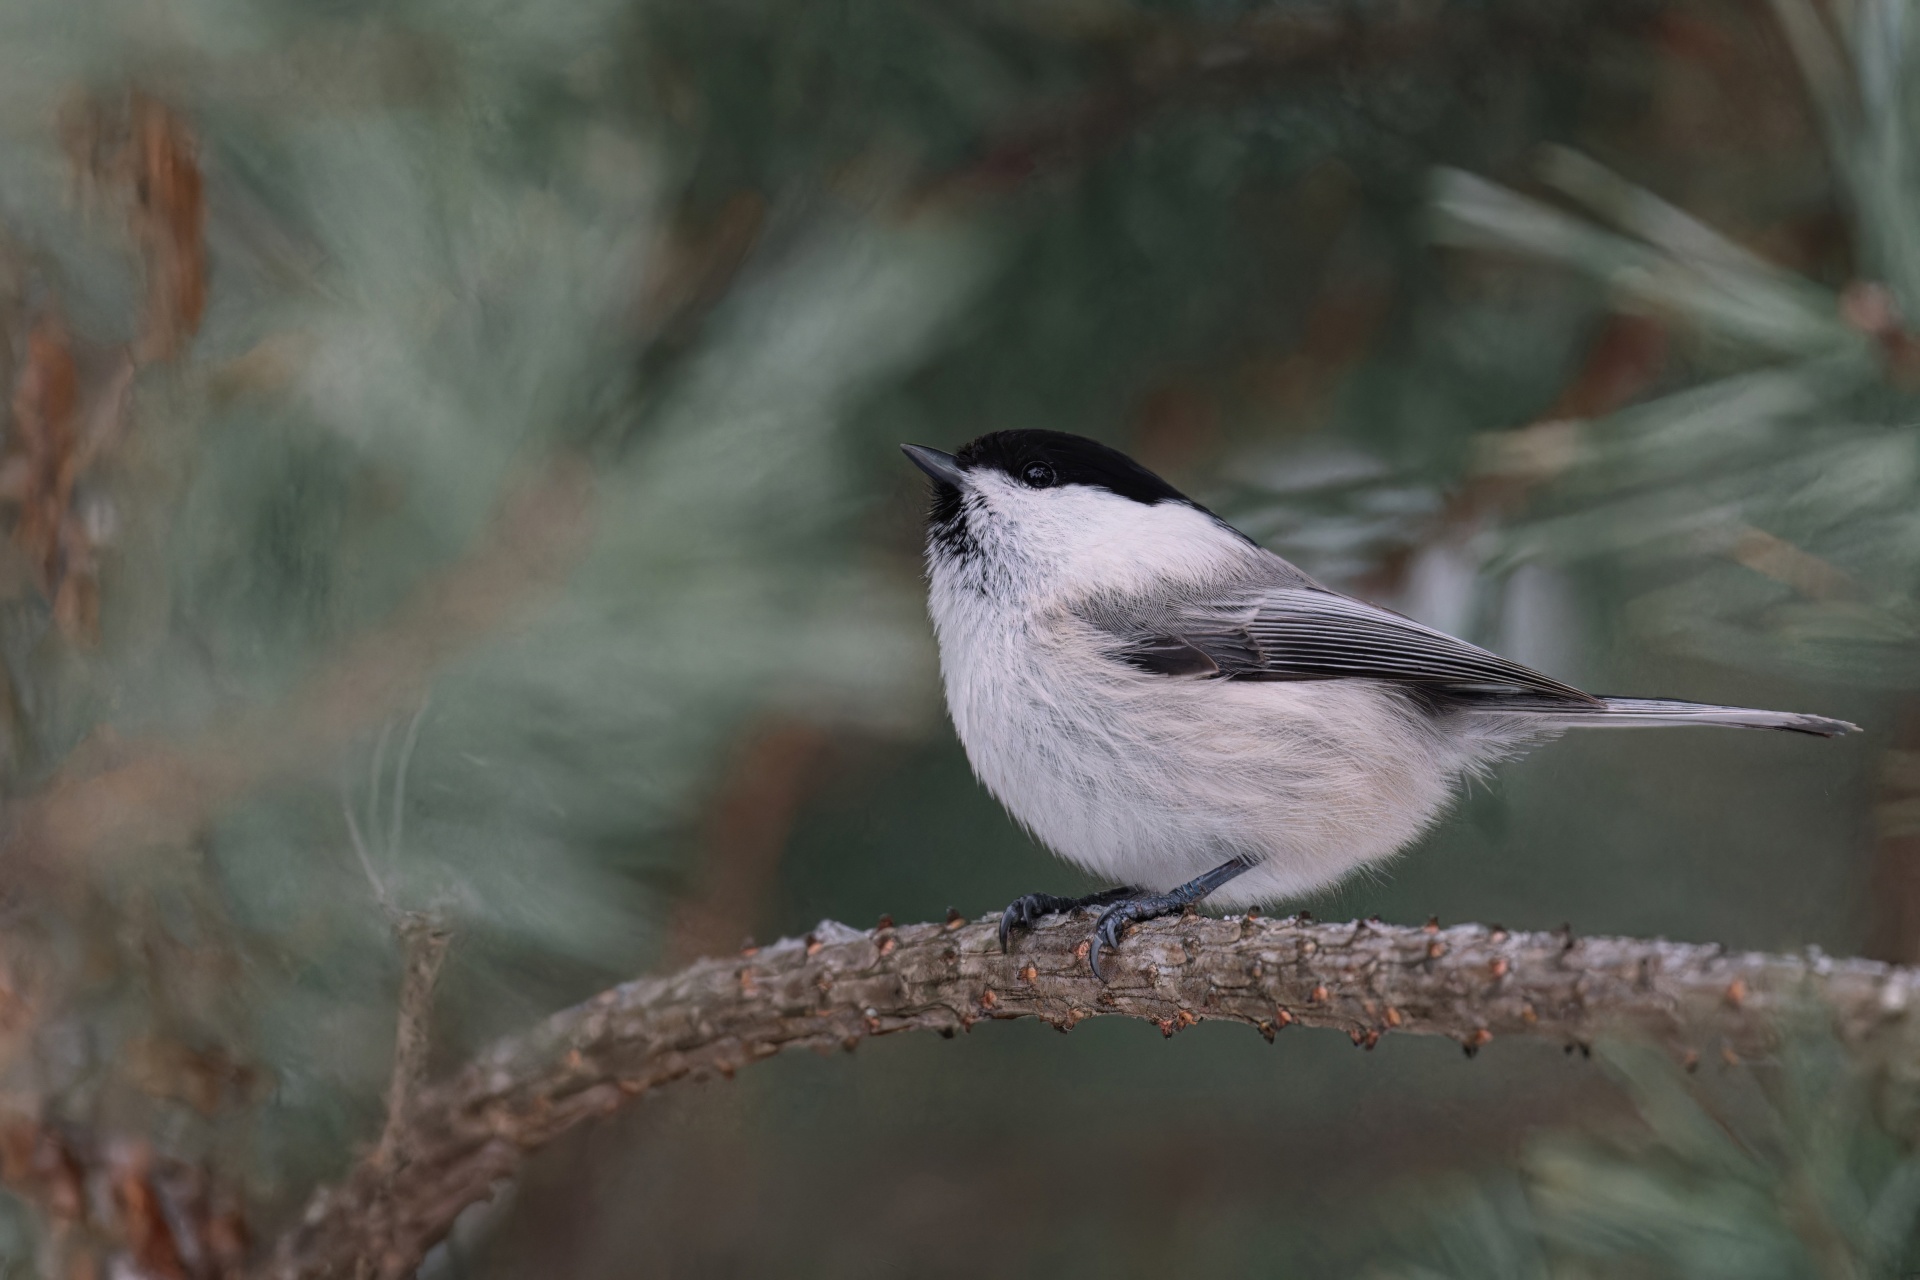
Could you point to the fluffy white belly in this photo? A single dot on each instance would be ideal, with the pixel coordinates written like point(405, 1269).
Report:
point(1150, 780)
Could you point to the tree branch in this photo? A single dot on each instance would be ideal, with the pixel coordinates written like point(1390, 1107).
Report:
point(839, 985)
point(423, 942)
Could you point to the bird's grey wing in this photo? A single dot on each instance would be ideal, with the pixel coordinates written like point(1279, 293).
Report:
point(1307, 633)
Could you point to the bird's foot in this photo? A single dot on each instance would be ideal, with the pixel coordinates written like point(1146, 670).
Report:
point(1114, 920)
point(1025, 912)
point(1134, 906)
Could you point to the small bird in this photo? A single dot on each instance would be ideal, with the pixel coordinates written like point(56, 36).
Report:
point(1172, 707)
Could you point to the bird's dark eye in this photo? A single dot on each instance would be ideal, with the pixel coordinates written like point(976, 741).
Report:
point(1038, 475)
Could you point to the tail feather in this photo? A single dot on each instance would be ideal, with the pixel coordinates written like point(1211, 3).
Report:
point(1628, 713)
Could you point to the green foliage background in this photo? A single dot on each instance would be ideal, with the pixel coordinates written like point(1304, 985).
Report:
point(1358, 274)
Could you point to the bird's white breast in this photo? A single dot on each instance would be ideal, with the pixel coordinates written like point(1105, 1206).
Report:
point(1148, 779)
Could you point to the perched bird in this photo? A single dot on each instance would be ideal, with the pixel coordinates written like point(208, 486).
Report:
point(1170, 706)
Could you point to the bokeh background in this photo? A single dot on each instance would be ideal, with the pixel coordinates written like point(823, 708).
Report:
point(449, 469)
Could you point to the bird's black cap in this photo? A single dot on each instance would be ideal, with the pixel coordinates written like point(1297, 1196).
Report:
point(1071, 459)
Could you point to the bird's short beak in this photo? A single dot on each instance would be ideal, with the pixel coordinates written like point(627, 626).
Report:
point(943, 467)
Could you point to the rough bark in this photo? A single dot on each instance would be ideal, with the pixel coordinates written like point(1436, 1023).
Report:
point(424, 942)
point(839, 985)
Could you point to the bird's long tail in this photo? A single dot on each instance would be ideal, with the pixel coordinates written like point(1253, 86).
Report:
point(1631, 713)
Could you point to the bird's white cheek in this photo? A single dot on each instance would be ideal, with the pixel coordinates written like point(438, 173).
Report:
point(1084, 541)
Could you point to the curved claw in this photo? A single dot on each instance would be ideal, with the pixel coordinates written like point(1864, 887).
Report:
point(1130, 905)
point(1106, 933)
point(1026, 911)
point(1012, 916)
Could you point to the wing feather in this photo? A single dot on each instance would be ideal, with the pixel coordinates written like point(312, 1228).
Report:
point(1308, 633)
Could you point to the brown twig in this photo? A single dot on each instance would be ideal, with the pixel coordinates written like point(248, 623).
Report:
point(838, 986)
point(423, 941)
